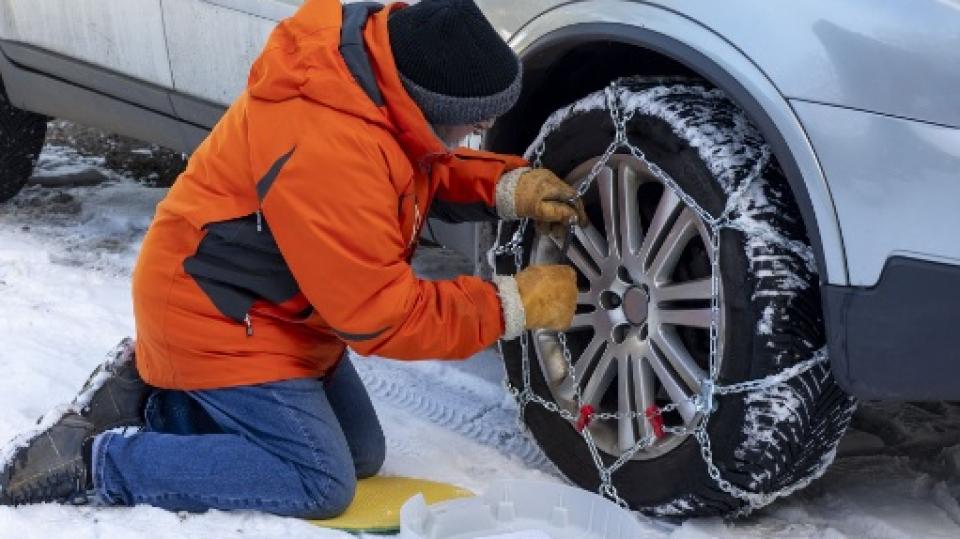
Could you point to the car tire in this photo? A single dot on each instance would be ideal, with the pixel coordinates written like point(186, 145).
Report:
point(21, 138)
point(764, 441)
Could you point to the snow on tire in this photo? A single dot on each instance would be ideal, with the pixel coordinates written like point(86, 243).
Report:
point(766, 441)
point(21, 138)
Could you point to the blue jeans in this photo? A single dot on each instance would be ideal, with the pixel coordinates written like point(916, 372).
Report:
point(292, 448)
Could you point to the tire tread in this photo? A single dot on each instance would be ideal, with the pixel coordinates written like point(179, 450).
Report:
point(21, 138)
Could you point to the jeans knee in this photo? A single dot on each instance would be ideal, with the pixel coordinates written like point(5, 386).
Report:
point(330, 494)
point(369, 462)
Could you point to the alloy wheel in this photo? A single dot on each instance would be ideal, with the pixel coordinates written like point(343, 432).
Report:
point(641, 333)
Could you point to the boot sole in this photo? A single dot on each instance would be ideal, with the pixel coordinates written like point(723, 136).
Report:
point(38, 489)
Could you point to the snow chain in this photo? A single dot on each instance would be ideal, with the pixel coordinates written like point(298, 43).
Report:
point(704, 402)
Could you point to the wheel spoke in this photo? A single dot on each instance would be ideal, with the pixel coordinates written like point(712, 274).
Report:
point(550, 355)
point(697, 290)
point(667, 256)
point(586, 298)
point(600, 379)
point(593, 243)
point(581, 364)
point(589, 355)
point(583, 266)
point(643, 377)
point(694, 318)
point(582, 263)
point(626, 405)
point(609, 205)
point(668, 206)
point(676, 353)
point(672, 386)
point(630, 232)
point(583, 320)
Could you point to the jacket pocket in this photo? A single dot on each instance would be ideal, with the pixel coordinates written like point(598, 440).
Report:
point(235, 265)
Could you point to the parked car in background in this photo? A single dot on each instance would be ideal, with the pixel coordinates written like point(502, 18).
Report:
point(847, 110)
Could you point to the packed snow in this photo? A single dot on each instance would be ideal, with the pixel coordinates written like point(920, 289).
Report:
point(65, 259)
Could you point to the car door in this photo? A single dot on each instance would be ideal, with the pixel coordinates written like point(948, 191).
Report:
point(212, 43)
point(123, 36)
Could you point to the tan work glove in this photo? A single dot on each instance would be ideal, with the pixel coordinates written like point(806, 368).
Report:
point(539, 297)
point(540, 195)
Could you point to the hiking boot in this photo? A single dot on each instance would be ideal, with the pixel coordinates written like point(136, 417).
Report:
point(114, 394)
point(53, 466)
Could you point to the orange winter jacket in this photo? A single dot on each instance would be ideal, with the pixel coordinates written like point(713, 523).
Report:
point(290, 233)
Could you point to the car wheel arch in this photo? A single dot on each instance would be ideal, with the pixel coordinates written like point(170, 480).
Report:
point(543, 47)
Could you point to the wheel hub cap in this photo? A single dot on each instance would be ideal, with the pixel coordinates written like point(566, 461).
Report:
point(635, 305)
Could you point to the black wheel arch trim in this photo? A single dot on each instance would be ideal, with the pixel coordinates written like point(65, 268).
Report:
point(897, 339)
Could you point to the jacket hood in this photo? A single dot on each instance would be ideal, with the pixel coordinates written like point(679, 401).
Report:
point(302, 59)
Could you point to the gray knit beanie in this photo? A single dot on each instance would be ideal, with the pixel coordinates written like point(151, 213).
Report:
point(453, 63)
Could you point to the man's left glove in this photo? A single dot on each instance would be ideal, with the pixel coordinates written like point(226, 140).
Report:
point(538, 297)
point(540, 195)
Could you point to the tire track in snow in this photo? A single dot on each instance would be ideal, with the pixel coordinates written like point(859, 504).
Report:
point(426, 394)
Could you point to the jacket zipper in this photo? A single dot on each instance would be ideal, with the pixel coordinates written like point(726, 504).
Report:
point(415, 233)
point(246, 319)
point(249, 323)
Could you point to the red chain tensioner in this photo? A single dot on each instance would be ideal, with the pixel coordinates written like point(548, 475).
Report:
point(656, 420)
point(586, 416)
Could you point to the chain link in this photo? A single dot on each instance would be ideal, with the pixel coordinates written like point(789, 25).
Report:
point(705, 402)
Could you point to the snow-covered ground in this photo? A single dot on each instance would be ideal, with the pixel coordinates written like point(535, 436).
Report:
point(65, 259)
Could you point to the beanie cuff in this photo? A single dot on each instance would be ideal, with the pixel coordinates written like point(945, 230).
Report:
point(450, 110)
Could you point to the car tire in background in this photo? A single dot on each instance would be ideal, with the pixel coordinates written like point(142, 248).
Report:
point(639, 335)
point(21, 138)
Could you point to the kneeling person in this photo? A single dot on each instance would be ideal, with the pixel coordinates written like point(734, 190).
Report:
point(287, 239)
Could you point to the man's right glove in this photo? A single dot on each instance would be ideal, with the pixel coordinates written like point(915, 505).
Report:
point(539, 297)
point(540, 195)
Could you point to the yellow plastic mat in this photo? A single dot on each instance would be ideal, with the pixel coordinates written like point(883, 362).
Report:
point(376, 506)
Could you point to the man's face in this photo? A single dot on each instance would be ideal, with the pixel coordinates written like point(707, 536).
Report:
point(453, 135)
